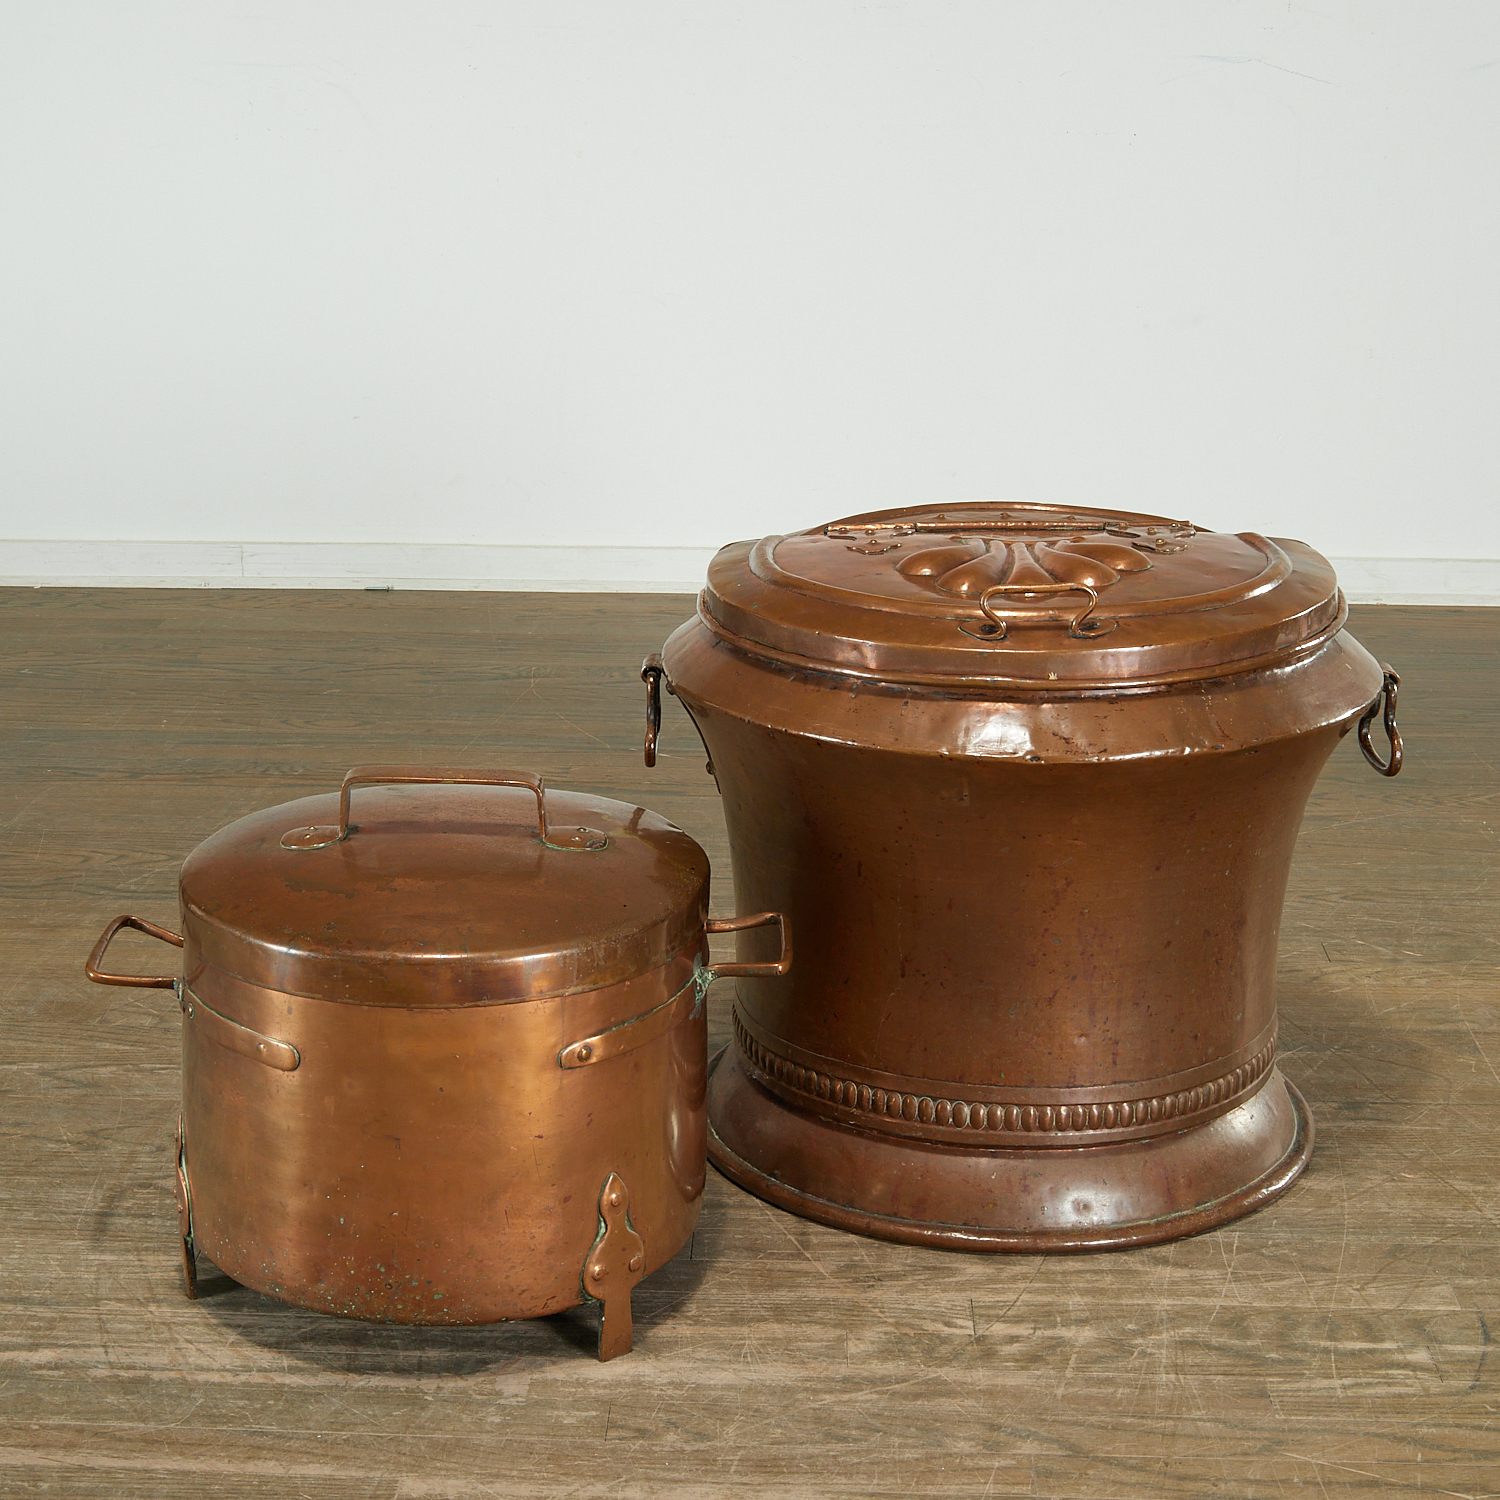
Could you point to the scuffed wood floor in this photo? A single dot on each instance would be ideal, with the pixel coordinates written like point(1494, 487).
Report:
point(1337, 1344)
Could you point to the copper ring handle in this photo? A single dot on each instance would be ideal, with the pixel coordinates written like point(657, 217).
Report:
point(753, 971)
point(1387, 694)
point(652, 673)
point(322, 835)
point(133, 981)
point(1080, 627)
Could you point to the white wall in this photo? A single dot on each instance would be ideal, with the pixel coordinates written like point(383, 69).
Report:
point(641, 273)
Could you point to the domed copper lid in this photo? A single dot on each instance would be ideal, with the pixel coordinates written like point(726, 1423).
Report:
point(433, 892)
point(1029, 595)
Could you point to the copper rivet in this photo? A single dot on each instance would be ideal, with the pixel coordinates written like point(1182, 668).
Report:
point(584, 1053)
point(598, 1273)
point(614, 1199)
point(636, 1262)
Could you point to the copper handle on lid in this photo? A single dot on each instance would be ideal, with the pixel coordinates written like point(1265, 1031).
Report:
point(1081, 627)
point(753, 971)
point(1154, 534)
point(134, 981)
point(320, 836)
point(1388, 689)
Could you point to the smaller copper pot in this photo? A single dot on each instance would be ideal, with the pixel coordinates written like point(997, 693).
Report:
point(446, 1065)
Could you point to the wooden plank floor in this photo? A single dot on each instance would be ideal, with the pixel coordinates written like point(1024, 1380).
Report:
point(1337, 1344)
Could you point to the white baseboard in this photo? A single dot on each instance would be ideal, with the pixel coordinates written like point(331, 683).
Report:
point(352, 565)
point(1419, 580)
point(642, 570)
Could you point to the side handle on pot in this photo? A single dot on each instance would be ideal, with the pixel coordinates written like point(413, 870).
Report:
point(1388, 689)
point(639, 1030)
point(320, 836)
point(133, 981)
point(754, 971)
point(652, 673)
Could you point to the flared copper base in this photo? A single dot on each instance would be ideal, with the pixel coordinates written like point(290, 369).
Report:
point(1081, 1198)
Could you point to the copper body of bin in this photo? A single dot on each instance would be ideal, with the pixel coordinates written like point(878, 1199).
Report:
point(445, 1063)
point(1027, 783)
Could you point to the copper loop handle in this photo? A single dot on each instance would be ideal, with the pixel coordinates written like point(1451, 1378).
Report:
point(320, 836)
point(133, 981)
point(237, 1037)
point(1080, 627)
point(1017, 518)
point(639, 1030)
point(652, 673)
point(752, 971)
point(1387, 694)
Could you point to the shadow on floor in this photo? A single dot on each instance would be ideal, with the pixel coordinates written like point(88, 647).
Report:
point(348, 1346)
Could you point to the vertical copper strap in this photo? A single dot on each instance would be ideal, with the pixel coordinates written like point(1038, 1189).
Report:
point(615, 1264)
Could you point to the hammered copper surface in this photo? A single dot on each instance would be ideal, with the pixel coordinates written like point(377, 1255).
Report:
point(1034, 840)
point(443, 895)
point(1028, 594)
point(425, 1166)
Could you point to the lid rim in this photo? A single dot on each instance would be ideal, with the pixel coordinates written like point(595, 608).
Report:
point(867, 598)
point(1072, 687)
point(231, 944)
point(323, 998)
point(442, 896)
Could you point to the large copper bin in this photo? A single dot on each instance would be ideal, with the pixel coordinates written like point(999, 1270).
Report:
point(1027, 784)
point(444, 1048)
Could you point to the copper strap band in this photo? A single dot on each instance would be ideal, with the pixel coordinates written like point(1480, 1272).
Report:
point(629, 1035)
point(237, 1038)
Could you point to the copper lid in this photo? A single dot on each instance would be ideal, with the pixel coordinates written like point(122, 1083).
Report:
point(443, 894)
point(1022, 595)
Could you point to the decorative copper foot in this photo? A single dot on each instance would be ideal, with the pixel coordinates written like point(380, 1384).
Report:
point(184, 1197)
point(615, 1263)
